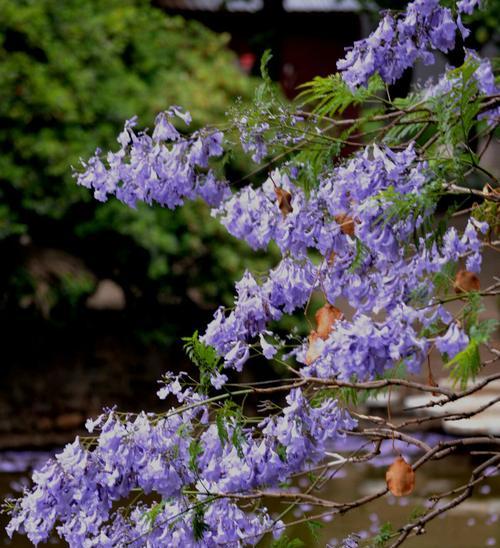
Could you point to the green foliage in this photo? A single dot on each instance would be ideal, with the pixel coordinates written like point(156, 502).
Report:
point(455, 114)
point(444, 279)
point(347, 395)
point(203, 356)
point(281, 451)
point(314, 527)
point(362, 252)
point(417, 512)
point(76, 287)
point(385, 533)
point(330, 95)
point(285, 542)
point(229, 420)
point(398, 207)
point(489, 212)
point(199, 524)
point(485, 23)
point(472, 308)
point(412, 124)
point(195, 450)
point(264, 72)
point(9, 225)
point(152, 514)
point(466, 364)
point(482, 331)
point(70, 74)
point(313, 160)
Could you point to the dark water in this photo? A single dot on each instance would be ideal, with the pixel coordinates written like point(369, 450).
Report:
point(474, 524)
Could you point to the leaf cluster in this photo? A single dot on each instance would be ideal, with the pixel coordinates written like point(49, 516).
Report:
point(330, 95)
point(466, 365)
point(203, 356)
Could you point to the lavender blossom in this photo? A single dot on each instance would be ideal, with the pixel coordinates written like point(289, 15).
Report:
point(400, 40)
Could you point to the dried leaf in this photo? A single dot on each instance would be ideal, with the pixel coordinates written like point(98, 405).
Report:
point(347, 225)
point(315, 347)
point(326, 317)
point(284, 200)
point(400, 478)
point(331, 258)
point(466, 281)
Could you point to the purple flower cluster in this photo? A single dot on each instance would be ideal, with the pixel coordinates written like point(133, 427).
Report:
point(76, 492)
point(374, 264)
point(253, 215)
point(364, 349)
point(288, 287)
point(390, 269)
point(260, 136)
point(486, 85)
point(400, 40)
point(468, 6)
point(453, 341)
point(166, 167)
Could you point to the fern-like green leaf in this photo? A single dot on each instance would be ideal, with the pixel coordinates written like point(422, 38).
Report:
point(465, 365)
point(330, 95)
point(203, 356)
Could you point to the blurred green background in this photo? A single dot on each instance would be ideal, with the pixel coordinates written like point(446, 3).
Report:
point(93, 295)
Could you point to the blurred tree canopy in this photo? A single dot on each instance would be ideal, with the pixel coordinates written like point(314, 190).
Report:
point(70, 73)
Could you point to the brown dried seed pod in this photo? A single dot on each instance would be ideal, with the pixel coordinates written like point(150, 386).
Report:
point(331, 258)
point(466, 281)
point(400, 478)
point(347, 225)
point(284, 200)
point(315, 347)
point(326, 316)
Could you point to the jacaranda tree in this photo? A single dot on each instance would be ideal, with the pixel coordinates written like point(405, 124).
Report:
point(351, 204)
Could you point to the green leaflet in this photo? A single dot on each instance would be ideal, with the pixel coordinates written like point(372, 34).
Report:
point(385, 533)
point(314, 527)
point(230, 414)
point(466, 364)
point(199, 524)
point(195, 450)
point(330, 95)
point(361, 253)
point(154, 512)
point(203, 356)
point(285, 542)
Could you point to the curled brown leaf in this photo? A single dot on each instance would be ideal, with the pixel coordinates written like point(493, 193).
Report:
point(347, 224)
point(466, 281)
point(284, 200)
point(400, 478)
point(326, 317)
